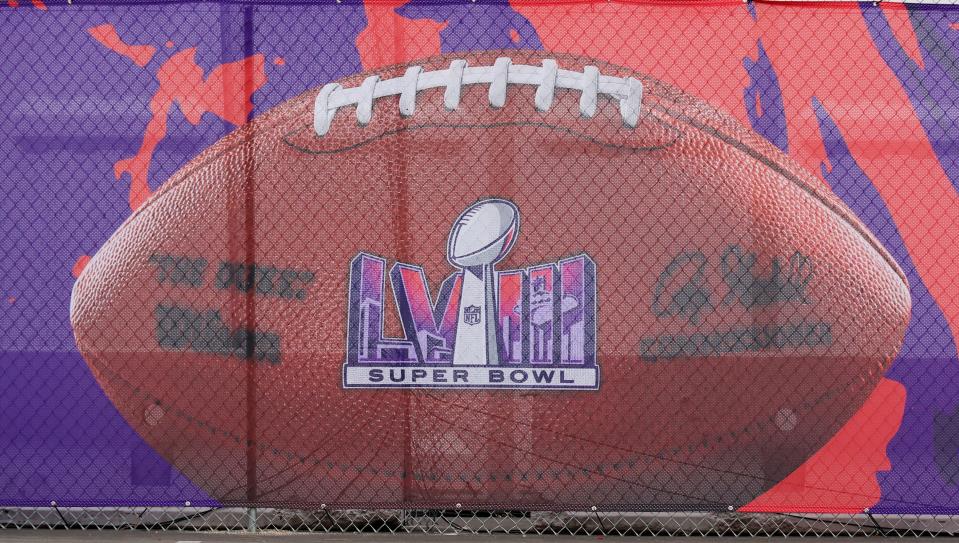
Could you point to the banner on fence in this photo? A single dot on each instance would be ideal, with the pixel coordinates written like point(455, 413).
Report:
point(527, 255)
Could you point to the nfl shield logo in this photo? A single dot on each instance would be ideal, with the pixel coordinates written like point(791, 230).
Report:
point(471, 315)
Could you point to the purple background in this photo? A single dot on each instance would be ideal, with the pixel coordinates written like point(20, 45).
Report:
point(72, 108)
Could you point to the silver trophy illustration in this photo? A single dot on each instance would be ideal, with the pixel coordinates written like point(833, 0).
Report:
point(482, 236)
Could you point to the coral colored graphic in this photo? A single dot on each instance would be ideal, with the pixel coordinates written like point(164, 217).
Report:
point(763, 99)
point(36, 3)
point(779, 105)
point(107, 35)
point(79, 265)
point(928, 334)
point(828, 482)
point(465, 28)
point(226, 92)
point(390, 38)
point(929, 77)
point(927, 361)
point(928, 329)
point(888, 139)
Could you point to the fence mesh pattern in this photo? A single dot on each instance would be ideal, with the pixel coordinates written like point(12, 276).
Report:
point(529, 267)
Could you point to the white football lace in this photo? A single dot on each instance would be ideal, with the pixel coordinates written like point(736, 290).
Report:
point(548, 78)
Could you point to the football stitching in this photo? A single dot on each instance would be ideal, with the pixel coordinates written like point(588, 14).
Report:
point(270, 120)
point(742, 146)
point(548, 77)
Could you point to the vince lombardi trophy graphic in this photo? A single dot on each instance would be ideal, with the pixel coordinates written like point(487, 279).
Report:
point(482, 236)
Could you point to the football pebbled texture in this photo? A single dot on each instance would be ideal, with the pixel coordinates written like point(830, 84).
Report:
point(743, 313)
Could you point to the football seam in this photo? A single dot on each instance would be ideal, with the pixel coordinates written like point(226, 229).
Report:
point(288, 137)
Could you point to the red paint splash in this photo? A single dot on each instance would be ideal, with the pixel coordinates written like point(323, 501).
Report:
point(903, 30)
point(79, 265)
point(887, 139)
point(391, 39)
point(708, 64)
point(107, 35)
point(514, 35)
point(841, 476)
point(39, 5)
point(279, 61)
point(226, 92)
point(36, 3)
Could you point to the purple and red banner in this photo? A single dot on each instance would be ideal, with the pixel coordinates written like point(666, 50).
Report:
point(468, 298)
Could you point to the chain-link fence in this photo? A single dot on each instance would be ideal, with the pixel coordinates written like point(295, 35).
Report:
point(528, 267)
point(452, 522)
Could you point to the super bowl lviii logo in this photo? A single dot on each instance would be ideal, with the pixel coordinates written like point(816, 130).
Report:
point(530, 328)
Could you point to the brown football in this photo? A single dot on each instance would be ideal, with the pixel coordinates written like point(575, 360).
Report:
point(591, 289)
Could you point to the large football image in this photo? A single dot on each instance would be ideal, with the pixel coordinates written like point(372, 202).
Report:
point(503, 279)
